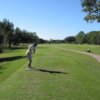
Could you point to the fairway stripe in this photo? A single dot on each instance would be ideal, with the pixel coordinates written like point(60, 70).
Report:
point(97, 57)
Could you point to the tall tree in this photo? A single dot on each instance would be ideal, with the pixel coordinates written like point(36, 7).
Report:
point(92, 8)
point(1, 35)
point(17, 36)
point(1, 38)
point(7, 29)
point(1, 41)
point(94, 37)
point(70, 39)
point(81, 37)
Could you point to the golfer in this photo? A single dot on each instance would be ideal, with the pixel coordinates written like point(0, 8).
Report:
point(31, 49)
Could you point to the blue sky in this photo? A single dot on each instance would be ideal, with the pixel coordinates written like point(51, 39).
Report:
point(50, 19)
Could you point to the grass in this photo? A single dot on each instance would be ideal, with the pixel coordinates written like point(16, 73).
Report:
point(94, 48)
point(81, 81)
point(9, 67)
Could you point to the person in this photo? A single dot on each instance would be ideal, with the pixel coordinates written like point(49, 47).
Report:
point(89, 50)
point(31, 49)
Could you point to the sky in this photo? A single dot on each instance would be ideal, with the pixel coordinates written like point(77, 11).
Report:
point(50, 19)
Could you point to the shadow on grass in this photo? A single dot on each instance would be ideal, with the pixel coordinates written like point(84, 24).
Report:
point(49, 71)
point(11, 58)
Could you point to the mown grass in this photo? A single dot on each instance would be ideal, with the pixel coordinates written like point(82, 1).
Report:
point(10, 66)
point(94, 48)
point(79, 82)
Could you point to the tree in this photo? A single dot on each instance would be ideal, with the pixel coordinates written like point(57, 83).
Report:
point(92, 8)
point(7, 29)
point(42, 41)
point(94, 37)
point(1, 41)
point(28, 37)
point(81, 37)
point(98, 38)
point(70, 39)
point(1, 35)
point(1, 38)
point(17, 36)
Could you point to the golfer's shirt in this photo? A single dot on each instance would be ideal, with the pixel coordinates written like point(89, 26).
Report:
point(31, 47)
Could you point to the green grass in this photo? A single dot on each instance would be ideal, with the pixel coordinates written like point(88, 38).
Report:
point(94, 48)
point(81, 81)
point(9, 67)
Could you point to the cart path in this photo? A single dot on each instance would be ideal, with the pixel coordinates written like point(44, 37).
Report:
point(97, 57)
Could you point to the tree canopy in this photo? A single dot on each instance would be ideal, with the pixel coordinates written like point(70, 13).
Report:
point(92, 9)
point(9, 35)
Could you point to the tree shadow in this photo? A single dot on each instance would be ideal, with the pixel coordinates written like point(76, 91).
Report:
point(49, 71)
point(11, 58)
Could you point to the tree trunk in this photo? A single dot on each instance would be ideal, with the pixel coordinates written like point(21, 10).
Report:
point(9, 44)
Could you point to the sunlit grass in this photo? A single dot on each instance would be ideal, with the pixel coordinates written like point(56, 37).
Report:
point(82, 47)
point(79, 82)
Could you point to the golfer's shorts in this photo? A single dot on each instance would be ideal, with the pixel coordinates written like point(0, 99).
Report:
point(29, 57)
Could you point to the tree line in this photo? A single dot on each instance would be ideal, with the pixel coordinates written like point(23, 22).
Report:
point(92, 37)
point(10, 36)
